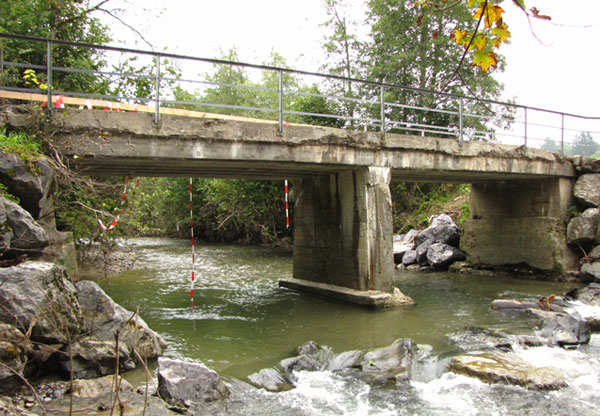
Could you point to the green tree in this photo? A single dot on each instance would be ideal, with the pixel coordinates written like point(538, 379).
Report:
point(70, 20)
point(410, 48)
point(585, 145)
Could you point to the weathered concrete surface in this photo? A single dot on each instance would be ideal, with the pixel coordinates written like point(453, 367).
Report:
point(343, 233)
point(112, 143)
point(519, 222)
point(371, 298)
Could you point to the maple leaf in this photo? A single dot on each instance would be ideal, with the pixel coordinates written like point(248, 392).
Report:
point(480, 41)
point(485, 60)
point(502, 32)
point(459, 36)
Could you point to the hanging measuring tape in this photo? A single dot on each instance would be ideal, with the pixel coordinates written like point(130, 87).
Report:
point(116, 220)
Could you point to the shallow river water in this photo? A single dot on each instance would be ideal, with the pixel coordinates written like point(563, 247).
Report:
point(242, 322)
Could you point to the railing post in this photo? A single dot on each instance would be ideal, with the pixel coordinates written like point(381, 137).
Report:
point(525, 142)
point(382, 105)
point(562, 135)
point(460, 122)
point(157, 91)
point(49, 74)
point(280, 109)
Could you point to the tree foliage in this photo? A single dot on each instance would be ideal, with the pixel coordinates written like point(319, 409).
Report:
point(585, 145)
point(70, 20)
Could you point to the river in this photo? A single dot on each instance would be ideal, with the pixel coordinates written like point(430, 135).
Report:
point(242, 322)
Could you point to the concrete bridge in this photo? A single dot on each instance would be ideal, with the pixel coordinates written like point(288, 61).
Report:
point(343, 212)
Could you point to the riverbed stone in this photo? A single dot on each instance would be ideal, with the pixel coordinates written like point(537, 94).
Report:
point(40, 297)
point(270, 379)
point(410, 257)
point(587, 189)
point(564, 330)
point(30, 183)
point(97, 386)
point(590, 272)
point(400, 248)
point(581, 230)
point(590, 295)
point(392, 363)
point(102, 317)
point(422, 250)
point(93, 358)
point(347, 360)
point(440, 255)
point(441, 230)
point(186, 382)
point(506, 368)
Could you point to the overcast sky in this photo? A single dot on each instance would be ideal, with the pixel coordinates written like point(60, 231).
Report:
point(553, 67)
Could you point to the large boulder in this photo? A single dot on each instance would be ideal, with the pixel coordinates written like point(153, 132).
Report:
point(181, 382)
point(27, 234)
point(501, 367)
point(270, 379)
point(30, 183)
point(441, 230)
point(410, 257)
point(590, 272)
point(581, 230)
point(441, 255)
point(102, 319)
point(392, 363)
point(90, 357)
point(564, 329)
point(422, 250)
point(39, 297)
point(587, 189)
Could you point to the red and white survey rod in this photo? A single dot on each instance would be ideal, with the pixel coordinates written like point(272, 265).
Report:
point(287, 210)
point(116, 220)
point(193, 244)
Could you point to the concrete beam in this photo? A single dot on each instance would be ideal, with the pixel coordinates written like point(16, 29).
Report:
point(112, 143)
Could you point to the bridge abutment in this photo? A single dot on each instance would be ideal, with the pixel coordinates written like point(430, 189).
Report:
point(343, 237)
point(520, 223)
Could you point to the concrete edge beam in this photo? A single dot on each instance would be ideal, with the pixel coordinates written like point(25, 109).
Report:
point(373, 299)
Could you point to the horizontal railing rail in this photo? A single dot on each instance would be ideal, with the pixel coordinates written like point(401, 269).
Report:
point(288, 95)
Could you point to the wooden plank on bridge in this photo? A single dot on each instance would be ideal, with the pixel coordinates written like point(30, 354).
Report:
point(112, 105)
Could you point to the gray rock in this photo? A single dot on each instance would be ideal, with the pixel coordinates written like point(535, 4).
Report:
point(589, 295)
point(442, 255)
point(392, 363)
point(410, 257)
point(564, 329)
point(399, 249)
point(93, 358)
point(41, 296)
point(102, 317)
point(14, 348)
point(183, 382)
point(475, 338)
point(96, 387)
point(589, 165)
point(30, 187)
point(441, 230)
point(409, 237)
point(346, 360)
point(587, 189)
point(422, 251)
point(309, 347)
point(590, 272)
point(27, 234)
point(300, 363)
point(501, 367)
point(270, 379)
point(582, 230)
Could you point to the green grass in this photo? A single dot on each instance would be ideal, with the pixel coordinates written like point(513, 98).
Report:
point(25, 146)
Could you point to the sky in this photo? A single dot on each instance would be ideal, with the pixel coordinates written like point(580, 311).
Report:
point(549, 65)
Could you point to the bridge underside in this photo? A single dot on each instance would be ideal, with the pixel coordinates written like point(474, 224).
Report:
point(343, 224)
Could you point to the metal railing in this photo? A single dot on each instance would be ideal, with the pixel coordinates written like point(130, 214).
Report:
point(284, 95)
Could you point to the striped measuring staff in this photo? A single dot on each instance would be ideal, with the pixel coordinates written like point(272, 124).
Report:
point(116, 220)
